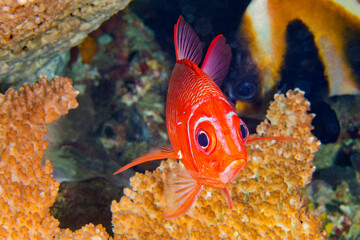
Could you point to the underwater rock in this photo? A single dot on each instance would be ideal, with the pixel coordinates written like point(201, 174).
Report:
point(347, 110)
point(337, 198)
point(84, 202)
point(32, 33)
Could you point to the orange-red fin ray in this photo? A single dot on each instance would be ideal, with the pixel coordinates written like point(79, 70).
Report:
point(156, 154)
point(277, 138)
point(181, 191)
point(187, 42)
point(225, 193)
point(217, 60)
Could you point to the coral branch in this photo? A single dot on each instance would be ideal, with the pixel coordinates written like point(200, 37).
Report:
point(26, 186)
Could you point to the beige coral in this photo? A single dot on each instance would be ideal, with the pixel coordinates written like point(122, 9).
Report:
point(32, 32)
point(266, 195)
point(87, 232)
point(26, 186)
point(27, 189)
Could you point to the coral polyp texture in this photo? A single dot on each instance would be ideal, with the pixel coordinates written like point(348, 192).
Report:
point(87, 232)
point(32, 32)
point(266, 195)
point(27, 189)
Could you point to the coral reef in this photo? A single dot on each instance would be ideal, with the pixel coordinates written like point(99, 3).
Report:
point(266, 195)
point(267, 201)
point(88, 232)
point(33, 32)
point(337, 206)
point(26, 186)
point(335, 188)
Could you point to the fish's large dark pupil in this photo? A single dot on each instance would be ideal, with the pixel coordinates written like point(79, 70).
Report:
point(203, 140)
point(246, 90)
point(243, 131)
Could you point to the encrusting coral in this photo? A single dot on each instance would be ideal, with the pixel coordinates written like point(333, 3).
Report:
point(37, 30)
point(27, 189)
point(266, 195)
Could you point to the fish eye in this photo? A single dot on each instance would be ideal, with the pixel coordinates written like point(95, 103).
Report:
point(246, 90)
point(244, 132)
point(203, 139)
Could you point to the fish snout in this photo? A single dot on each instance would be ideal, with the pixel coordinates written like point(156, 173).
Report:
point(232, 170)
point(220, 179)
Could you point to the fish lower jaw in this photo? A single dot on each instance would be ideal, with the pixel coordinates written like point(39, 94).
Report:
point(221, 179)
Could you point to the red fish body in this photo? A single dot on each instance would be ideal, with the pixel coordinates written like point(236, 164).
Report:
point(196, 106)
point(205, 133)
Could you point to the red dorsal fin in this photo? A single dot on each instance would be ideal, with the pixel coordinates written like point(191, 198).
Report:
point(181, 191)
point(156, 154)
point(217, 60)
point(187, 42)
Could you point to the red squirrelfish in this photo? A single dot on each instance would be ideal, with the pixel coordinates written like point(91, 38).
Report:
point(205, 133)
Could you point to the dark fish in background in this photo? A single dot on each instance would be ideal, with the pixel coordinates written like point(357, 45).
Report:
point(314, 50)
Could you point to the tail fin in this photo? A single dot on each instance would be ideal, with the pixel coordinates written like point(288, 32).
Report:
point(187, 42)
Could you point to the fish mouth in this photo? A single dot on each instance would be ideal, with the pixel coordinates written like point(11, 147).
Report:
point(236, 164)
point(222, 179)
point(232, 170)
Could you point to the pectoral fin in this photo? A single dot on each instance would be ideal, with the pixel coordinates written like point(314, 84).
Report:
point(181, 191)
point(156, 154)
point(277, 138)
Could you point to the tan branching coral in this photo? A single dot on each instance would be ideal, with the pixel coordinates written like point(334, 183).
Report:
point(266, 195)
point(32, 32)
point(27, 189)
point(87, 232)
